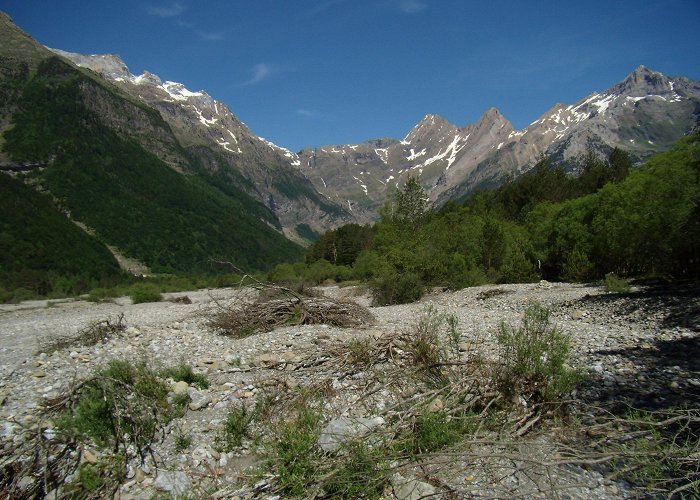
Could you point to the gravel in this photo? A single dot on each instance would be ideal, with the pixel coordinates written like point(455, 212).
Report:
point(640, 349)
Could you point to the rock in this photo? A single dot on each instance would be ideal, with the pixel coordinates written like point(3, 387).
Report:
point(132, 331)
point(198, 399)
point(25, 483)
point(290, 356)
point(266, 359)
point(39, 374)
point(175, 482)
point(435, 405)
point(411, 489)
point(291, 383)
point(139, 475)
point(342, 429)
point(577, 314)
point(89, 457)
point(180, 387)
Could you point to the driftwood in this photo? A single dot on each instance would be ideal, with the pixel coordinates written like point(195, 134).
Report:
point(281, 306)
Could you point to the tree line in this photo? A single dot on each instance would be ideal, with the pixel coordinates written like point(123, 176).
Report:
point(546, 224)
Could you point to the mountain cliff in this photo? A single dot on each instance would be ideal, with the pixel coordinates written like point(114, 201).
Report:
point(644, 114)
point(224, 146)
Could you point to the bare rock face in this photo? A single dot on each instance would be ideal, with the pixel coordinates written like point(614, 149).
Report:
point(644, 114)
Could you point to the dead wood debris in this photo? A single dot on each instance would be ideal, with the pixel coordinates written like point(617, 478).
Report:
point(241, 319)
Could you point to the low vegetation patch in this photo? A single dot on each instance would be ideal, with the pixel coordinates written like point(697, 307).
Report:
point(145, 292)
point(615, 284)
point(120, 411)
point(185, 373)
point(534, 358)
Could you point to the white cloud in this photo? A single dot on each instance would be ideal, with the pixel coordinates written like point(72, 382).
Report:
point(172, 10)
point(260, 72)
point(209, 35)
point(411, 6)
point(308, 113)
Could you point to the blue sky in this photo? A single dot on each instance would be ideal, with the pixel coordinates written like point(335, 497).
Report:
point(311, 73)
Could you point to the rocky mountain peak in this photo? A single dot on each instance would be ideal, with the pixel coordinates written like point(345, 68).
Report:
point(643, 81)
point(430, 126)
point(492, 119)
point(108, 65)
point(148, 78)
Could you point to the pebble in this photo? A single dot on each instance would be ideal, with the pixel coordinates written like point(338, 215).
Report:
point(611, 340)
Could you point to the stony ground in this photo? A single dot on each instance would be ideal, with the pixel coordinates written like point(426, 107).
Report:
point(641, 349)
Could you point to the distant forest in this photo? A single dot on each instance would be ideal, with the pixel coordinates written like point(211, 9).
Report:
point(611, 218)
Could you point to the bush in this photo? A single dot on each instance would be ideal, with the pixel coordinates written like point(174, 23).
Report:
point(236, 427)
point(184, 372)
point(614, 284)
point(433, 431)
point(397, 288)
point(293, 451)
point(145, 292)
point(123, 405)
point(101, 294)
point(534, 357)
point(433, 342)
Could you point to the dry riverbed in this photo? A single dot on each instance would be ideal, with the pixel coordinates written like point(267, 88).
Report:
point(640, 349)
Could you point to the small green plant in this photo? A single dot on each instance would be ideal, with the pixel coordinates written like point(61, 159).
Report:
point(180, 402)
point(433, 342)
point(534, 357)
point(123, 404)
point(362, 471)
point(360, 352)
point(615, 284)
point(236, 427)
point(293, 451)
point(182, 441)
point(433, 431)
point(145, 292)
point(657, 451)
point(89, 477)
point(185, 373)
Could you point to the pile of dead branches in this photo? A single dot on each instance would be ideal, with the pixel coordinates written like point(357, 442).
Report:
point(95, 333)
point(285, 307)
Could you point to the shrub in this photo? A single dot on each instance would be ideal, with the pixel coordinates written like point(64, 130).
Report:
point(360, 352)
point(101, 294)
point(184, 372)
point(534, 357)
point(393, 287)
point(182, 441)
point(123, 406)
point(614, 284)
point(433, 342)
point(235, 429)
point(362, 472)
point(293, 451)
point(145, 292)
point(433, 431)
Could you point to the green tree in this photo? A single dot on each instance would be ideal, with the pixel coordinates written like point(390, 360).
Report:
point(409, 206)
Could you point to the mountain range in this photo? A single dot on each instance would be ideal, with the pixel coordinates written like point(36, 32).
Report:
point(644, 114)
point(166, 174)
